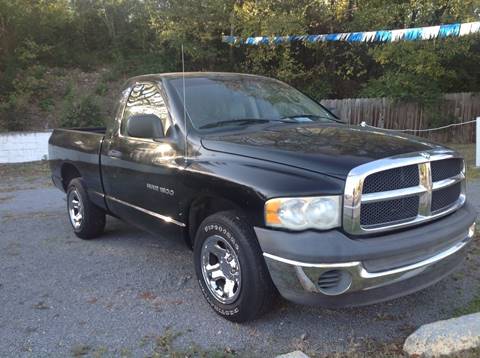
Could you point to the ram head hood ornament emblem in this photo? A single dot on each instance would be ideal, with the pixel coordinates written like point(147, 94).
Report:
point(425, 155)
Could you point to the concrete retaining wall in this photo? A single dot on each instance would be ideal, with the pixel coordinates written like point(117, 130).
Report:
point(19, 147)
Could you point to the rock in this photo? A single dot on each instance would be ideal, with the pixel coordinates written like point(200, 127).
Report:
point(445, 337)
point(295, 354)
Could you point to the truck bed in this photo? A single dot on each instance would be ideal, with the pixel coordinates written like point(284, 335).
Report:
point(98, 130)
point(77, 149)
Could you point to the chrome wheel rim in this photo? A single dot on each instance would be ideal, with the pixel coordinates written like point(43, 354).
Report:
point(221, 269)
point(75, 209)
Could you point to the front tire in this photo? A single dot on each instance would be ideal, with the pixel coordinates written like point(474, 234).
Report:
point(87, 220)
point(230, 269)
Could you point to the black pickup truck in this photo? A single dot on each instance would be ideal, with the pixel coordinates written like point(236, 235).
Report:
point(272, 191)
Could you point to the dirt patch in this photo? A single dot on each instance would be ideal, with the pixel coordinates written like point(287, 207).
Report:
point(28, 216)
point(6, 198)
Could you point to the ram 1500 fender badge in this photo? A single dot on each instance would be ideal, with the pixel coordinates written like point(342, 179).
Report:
point(160, 189)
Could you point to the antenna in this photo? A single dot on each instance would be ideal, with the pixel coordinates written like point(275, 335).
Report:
point(184, 106)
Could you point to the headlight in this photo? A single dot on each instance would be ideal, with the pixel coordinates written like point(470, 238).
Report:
point(321, 212)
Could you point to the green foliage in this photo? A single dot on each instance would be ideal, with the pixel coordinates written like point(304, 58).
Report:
point(472, 307)
point(13, 113)
point(101, 89)
point(81, 112)
point(402, 86)
point(131, 37)
point(46, 104)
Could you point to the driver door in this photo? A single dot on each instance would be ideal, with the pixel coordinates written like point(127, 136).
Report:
point(140, 172)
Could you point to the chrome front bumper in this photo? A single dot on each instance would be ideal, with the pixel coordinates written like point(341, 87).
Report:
point(292, 277)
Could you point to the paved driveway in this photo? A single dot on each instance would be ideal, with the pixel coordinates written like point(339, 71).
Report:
point(133, 294)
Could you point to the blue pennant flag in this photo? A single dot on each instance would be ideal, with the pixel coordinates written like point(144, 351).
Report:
point(449, 30)
point(413, 34)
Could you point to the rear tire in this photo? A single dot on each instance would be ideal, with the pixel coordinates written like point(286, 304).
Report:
point(230, 268)
point(87, 220)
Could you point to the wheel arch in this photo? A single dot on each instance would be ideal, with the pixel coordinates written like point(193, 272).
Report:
point(203, 207)
point(68, 172)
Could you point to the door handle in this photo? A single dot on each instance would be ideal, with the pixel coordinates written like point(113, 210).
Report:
point(114, 153)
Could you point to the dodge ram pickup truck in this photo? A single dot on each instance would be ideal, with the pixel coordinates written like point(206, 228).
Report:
point(273, 193)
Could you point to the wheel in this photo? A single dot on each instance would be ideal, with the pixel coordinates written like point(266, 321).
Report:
point(88, 221)
point(230, 269)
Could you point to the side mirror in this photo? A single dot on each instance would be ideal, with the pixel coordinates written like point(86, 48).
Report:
point(144, 126)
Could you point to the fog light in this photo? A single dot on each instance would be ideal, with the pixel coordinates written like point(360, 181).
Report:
point(334, 282)
point(471, 231)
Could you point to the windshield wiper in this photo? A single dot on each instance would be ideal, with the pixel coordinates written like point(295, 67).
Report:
point(310, 116)
point(330, 118)
point(245, 121)
point(242, 121)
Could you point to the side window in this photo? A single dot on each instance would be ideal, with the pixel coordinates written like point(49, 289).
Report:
point(145, 98)
point(112, 126)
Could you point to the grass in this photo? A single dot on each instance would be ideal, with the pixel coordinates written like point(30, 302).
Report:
point(472, 307)
point(21, 176)
point(375, 349)
point(80, 350)
point(468, 152)
point(164, 347)
point(161, 346)
point(370, 348)
point(29, 170)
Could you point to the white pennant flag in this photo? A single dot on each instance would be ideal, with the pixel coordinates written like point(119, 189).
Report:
point(469, 28)
point(398, 35)
point(430, 32)
point(369, 36)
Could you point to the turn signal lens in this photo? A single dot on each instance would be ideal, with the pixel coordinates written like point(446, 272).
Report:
point(321, 213)
point(271, 212)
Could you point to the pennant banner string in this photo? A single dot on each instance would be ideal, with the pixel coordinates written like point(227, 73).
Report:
point(411, 34)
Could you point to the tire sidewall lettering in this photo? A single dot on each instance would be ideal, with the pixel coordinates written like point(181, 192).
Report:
point(224, 312)
point(222, 231)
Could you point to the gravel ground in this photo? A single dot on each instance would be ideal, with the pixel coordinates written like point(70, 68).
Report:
point(132, 294)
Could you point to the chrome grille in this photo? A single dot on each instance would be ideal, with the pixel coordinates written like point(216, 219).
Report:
point(443, 198)
point(389, 211)
point(396, 178)
point(403, 190)
point(447, 168)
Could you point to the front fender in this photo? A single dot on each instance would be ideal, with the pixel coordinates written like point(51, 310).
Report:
point(249, 182)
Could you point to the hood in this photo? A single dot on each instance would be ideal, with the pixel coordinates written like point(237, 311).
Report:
point(331, 149)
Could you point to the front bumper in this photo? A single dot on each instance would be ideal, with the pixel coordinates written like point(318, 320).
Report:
point(401, 263)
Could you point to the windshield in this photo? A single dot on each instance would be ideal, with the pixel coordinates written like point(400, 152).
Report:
point(222, 101)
